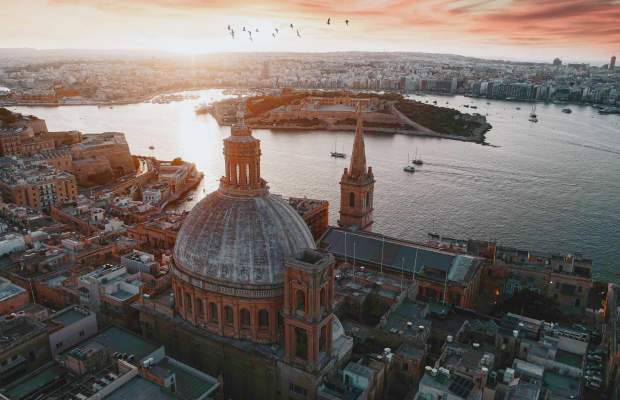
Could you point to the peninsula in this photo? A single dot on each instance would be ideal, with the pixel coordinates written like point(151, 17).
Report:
point(335, 111)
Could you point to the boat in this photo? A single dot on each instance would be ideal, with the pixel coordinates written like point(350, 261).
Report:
point(151, 147)
point(488, 103)
point(336, 153)
point(466, 105)
point(518, 108)
point(409, 168)
point(473, 106)
point(567, 110)
point(533, 116)
point(417, 160)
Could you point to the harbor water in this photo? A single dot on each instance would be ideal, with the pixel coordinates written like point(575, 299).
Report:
point(551, 186)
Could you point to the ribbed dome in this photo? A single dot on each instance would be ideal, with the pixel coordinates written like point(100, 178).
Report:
point(240, 240)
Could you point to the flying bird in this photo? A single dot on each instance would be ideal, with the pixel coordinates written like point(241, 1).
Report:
point(329, 21)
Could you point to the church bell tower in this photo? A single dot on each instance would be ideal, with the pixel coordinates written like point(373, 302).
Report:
point(357, 185)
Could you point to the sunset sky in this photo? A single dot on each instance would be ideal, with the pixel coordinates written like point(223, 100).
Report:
point(574, 30)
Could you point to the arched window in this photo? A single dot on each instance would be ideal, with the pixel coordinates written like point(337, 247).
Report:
point(245, 318)
point(263, 319)
point(247, 174)
point(213, 312)
point(228, 315)
point(323, 295)
point(300, 301)
point(351, 199)
point(238, 175)
point(368, 199)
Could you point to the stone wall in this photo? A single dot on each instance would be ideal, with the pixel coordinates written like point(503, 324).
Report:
point(246, 372)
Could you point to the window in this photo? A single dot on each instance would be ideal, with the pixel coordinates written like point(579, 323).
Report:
point(200, 312)
point(351, 199)
point(245, 318)
point(298, 390)
point(322, 296)
point(263, 319)
point(368, 199)
point(301, 343)
point(577, 302)
point(228, 315)
point(213, 312)
point(300, 300)
point(81, 332)
point(188, 303)
point(58, 345)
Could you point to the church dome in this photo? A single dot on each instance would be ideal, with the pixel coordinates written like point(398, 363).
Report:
point(240, 240)
point(240, 234)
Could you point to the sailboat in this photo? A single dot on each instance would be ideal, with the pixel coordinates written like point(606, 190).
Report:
point(409, 168)
point(417, 160)
point(533, 116)
point(336, 153)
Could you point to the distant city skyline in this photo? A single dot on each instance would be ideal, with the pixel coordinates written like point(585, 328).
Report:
point(526, 30)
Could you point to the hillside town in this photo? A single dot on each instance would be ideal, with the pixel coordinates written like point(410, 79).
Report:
point(35, 78)
point(108, 291)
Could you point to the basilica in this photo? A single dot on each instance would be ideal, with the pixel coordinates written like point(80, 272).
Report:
point(252, 295)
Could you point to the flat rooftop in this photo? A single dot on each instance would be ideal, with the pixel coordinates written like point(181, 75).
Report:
point(191, 384)
point(140, 389)
point(31, 383)
point(122, 341)
point(8, 289)
point(70, 315)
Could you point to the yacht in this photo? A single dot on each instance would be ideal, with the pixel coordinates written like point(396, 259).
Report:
point(409, 168)
point(336, 153)
point(567, 110)
point(533, 116)
point(417, 160)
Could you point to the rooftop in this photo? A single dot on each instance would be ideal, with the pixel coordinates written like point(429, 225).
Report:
point(190, 383)
point(399, 255)
point(122, 341)
point(8, 289)
point(18, 330)
point(140, 389)
point(71, 315)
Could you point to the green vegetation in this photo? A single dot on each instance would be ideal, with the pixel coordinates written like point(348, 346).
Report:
point(439, 119)
point(531, 304)
point(7, 116)
point(261, 104)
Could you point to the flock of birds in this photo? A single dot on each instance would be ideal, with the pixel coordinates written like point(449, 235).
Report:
point(276, 31)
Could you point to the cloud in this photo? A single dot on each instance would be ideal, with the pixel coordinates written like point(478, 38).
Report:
point(582, 24)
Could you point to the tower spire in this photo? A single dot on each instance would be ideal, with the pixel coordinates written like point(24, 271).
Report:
point(358, 156)
point(357, 184)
